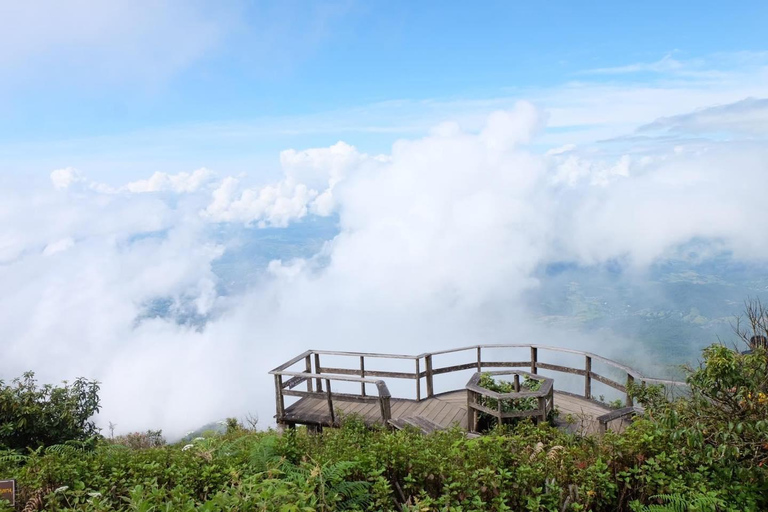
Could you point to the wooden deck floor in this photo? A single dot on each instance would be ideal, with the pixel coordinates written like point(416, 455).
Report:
point(445, 410)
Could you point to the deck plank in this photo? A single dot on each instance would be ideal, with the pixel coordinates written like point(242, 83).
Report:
point(457, 417)
point(448, 412)
point(432, 409)
point(444, 410)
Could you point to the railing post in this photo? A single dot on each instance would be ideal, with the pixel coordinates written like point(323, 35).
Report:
point(588, 377)
point(543, 408)
point(430, 386)
point(471, 412)
point(308, 367)
point(418, 380)
point(479, 360)
point(534, 359)
point(630, 380)
point(517, 383)
point(362, 374)
point(279, 400)
point(386, 412)
point(330, 401)
point(317, 370)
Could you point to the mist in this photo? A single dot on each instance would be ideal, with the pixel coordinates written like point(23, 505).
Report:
point(179, 292)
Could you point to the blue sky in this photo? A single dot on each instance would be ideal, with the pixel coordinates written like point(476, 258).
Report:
point(300, 65)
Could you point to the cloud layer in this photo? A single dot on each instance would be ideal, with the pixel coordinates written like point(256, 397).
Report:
point(438, 241)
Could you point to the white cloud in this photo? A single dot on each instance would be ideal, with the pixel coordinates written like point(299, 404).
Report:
point(713, 195)
point(65, 178)
point(438, 241)
point(747, 117)
point(308, 186)
point(666, 64)
point(272, 205)
point(182, 182)
point(58, 246)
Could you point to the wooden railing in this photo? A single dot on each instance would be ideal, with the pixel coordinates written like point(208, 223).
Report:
point(285, 388)
point(290, 374)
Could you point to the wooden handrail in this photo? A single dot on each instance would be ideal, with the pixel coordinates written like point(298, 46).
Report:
point(293, 361)
point(595, 357)
point(380, 384)
point(383, 398)
point(362, 373)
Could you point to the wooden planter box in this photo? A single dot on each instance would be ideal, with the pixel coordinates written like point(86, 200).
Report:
point(476, 393)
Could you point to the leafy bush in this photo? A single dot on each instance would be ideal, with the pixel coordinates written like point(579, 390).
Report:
point(32, 416)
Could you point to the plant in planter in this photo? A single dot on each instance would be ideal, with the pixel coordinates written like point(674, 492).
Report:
point(503, 386)
point(509, 405)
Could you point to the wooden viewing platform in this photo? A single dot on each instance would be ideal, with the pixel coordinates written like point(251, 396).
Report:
point(327, 396)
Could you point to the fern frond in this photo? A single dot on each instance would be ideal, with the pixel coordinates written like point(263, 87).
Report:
point(683, 503)
point(12, 456)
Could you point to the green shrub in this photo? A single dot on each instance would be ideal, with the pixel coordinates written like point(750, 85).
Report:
point(32, 416)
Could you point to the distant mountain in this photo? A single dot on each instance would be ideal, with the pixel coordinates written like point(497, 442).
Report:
point(675, 308)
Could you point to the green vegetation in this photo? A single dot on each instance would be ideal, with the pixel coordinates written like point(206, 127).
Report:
point(502, 386)
point(32, 416)
point(705, 451)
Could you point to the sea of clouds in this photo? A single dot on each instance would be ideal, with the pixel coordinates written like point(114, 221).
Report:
point(435, 244)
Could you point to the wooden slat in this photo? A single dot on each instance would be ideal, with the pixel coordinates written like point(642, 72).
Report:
point(340, 396)
point(293, 361)
point(428, 375)
point(399, 408)
point(455, 397)
point(434, 411)
point(368, 373)
point(426, 404)
point(455, 368)
point(619, 413)
point(503, 364)
point(424, 424)
point(484, 408)
point(351, 408)
point(508, 396)
point(279, 398)
point(448, 412)
point(398, 423)
point(318, 382)
point(418, 381)
point(558, 368)
point(520, 414)
point(459, 417)
point(608, 382)
point(293, 382)
point(366, 354)
point(362, 374)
